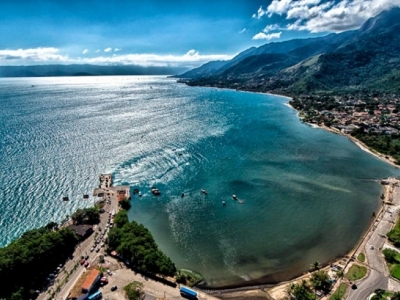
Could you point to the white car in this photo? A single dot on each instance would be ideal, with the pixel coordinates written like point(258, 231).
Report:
point(371, 247)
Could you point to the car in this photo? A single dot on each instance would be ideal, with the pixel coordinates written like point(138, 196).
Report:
point(83, 262)
point(87, 257)
point(371, 247)
point(92, 249)
point(98, 249)
point(109, 272)
point(114, 288)
point(86, 264)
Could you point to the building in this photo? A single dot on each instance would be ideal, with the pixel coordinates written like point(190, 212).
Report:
point(82, 231)
point(91, 281)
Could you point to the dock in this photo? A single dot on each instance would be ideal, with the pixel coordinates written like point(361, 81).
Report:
point(106, 190)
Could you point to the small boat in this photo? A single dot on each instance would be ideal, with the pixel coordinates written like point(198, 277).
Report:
point(140, 194)
point(65, 199)
point(223, 203)
point(234, 197)
point(155, 191)
point(183, 195)
point(204, 192)
point(85, 196)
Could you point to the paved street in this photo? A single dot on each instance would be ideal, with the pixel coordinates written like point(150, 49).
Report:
point(374, 281)
point(82, 249)
point(378, 276)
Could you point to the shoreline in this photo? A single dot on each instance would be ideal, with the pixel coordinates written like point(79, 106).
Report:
point(359, 143)
point(347, 257)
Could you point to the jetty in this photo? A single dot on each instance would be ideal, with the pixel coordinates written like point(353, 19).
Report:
point(107, 191)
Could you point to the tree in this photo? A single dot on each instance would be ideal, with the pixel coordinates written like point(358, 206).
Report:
point(89, 215)
point(395, 296)
point(315, 266)
point(135, 243)
point(301, 291)
point(134, 290)
point(320, 280)
point(390, 255)
point(125, 203)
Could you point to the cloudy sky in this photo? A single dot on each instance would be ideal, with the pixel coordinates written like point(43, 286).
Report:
point(165, 32)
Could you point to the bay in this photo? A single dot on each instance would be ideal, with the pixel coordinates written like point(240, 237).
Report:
point(309, 194)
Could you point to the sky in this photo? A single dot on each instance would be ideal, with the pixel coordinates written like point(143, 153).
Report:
point(165, 32)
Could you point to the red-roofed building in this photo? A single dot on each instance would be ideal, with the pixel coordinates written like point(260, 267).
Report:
point(91, 281)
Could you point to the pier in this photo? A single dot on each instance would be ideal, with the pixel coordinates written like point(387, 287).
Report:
point(109, 192)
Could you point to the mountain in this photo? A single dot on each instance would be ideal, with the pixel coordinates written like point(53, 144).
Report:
point(363, 59)
point(83, 70)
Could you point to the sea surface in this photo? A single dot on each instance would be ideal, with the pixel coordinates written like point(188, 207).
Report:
point(308, 194)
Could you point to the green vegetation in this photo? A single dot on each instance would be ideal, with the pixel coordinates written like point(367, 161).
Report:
point(89, 215)
point(320, 281)
point(27, 262)
point(361, 257)
point(315, 266)
point(340, 292)
point(134, 290)
point(394, 234)
point(135, 243)
point(125, 203)
point(356, 272)
point(392, 258)
point(301, 291)
point(383, 143)
point(384, 295)
point(188, 277)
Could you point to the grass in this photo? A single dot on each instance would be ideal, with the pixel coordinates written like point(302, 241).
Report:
point(395, 271)
point(356, 272)
point(340, 292)
point(361, 257)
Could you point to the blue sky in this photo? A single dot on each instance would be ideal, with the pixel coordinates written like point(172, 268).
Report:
point(165, 33)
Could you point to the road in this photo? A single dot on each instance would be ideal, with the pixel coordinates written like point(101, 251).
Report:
point(378, 277)
point(82, 249)
point(374, 281)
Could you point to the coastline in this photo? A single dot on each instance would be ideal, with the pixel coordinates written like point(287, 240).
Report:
point(276, 291)
point(360, 144)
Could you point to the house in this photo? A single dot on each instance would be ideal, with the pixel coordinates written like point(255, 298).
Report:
point(91, 281)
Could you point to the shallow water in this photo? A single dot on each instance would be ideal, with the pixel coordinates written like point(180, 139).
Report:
point(308, 194)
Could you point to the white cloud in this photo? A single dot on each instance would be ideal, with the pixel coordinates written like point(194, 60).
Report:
point(278, 7)
point(243, 30)
point(331, 16)
point(33, 54)
point(192, 53)
point(272, 27)
point(117, 49)
point(85, 51)
point(270, 36)
point(260, 13)
point(191, 58)
point(108, 50)
point(98, 51)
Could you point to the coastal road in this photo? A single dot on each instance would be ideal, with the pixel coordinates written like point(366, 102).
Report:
point(378, 277)
point(366, 287)
point(82, 249)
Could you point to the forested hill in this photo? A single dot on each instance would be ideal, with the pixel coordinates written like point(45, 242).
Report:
point(367, 59)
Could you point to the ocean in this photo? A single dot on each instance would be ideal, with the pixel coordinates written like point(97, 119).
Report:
point(308, 195)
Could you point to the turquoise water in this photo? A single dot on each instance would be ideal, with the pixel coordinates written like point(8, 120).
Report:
point(309, 194)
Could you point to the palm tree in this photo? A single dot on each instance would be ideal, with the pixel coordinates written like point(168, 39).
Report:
point(315, 266)
point(290, 289)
